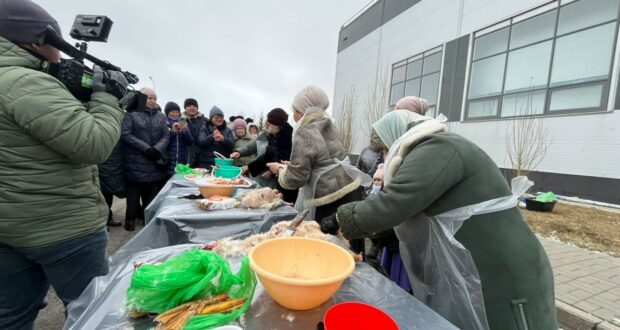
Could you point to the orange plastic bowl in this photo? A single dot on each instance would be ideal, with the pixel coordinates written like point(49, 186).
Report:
point(300, 273)
point(356, 315)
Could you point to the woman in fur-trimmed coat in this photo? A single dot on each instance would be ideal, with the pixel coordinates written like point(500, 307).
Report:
point(316, 144)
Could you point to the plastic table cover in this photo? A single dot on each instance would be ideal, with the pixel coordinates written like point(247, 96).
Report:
point(101, 306)
point(178, 221)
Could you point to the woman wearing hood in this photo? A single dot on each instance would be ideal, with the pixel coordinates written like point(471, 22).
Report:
point(214, 136)
point(468, 252)
point(317, 159)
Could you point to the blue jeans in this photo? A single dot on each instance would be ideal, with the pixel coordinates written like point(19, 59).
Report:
point(26, 275)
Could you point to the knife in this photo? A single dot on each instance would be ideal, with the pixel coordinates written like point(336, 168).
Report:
point(298, 219)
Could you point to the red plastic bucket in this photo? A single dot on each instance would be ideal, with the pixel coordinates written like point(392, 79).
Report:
point(357, 316)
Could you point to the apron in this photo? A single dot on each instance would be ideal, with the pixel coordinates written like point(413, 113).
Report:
point(306, 193)
point(441, 270)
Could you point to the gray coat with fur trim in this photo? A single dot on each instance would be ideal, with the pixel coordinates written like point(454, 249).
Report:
point(316, 144)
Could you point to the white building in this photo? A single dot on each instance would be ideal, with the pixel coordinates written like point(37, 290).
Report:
point(482, 62)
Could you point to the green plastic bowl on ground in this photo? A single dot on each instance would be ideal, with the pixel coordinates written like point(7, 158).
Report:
point(227, 172)
point(224, 162)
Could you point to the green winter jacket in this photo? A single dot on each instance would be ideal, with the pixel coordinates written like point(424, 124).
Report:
point(50, 144)
point(444, 172)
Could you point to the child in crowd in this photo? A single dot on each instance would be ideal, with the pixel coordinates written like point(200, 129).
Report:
point(377, 181)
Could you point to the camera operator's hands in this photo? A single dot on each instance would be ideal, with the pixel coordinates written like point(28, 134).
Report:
point(152, 153)
point(111, 82)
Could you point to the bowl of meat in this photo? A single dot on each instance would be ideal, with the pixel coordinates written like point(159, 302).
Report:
point(210, 186)
point(300, 273)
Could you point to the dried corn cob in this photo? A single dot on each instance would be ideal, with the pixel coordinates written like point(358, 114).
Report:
point(219, 308)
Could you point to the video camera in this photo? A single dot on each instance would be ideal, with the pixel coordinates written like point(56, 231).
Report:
point(73, 73)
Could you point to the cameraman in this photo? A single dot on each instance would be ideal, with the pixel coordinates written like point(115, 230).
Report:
point(52, 215)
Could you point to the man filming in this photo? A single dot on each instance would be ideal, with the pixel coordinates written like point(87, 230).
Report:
point(52, 215)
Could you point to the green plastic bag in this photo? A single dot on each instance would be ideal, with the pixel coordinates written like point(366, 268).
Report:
point(546, 197)
point(192, 275)
point(185, 169)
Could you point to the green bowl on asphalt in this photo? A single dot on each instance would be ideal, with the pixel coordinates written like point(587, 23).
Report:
point(227, 172)
point(224, 162)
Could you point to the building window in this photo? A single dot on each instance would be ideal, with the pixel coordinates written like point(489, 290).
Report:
point(418, 76)
point(554, 59)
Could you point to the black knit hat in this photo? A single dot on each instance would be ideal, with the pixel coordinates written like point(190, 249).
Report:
point(171, 106)
point(277, 117)
point(189, 102)
point(24, 22)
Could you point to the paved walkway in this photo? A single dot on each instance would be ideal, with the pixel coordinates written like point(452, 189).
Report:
point(587, 286)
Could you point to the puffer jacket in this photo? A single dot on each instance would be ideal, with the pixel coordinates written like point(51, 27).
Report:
point(111, 177)
point(142, 130)
point(194, 125)
point(316, 144)
point(241, 143)
point(178, 146)
point(208, 145)
point(50, 144)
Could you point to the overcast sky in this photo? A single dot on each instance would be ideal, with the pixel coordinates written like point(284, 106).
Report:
point(243, 56)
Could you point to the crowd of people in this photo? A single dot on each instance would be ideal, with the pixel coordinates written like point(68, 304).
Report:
point(153, 143)
point(437, 207)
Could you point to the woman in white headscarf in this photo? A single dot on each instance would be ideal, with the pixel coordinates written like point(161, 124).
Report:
point(467, 251)
point(315, 159)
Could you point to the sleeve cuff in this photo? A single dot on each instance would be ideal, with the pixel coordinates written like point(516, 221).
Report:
point(347, 224)
point(282, 180)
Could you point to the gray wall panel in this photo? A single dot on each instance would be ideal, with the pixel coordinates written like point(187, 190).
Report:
point(361, 26)
point(453, 80)
point(375, 16)
point(393, 8)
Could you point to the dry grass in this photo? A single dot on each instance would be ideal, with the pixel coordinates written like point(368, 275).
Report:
point(586, 227)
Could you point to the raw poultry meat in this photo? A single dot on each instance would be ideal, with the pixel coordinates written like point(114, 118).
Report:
point(217, 203)
point(228, 247)
point(264, 198)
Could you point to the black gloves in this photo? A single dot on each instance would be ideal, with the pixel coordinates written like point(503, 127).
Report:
point(111, 82)
point(152, 153)
point(329, 225)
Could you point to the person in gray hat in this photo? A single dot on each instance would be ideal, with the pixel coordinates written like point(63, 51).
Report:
point(52, 214)
point(214, 136)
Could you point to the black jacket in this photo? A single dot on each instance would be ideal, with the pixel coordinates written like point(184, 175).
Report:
point(194, 125)
point(140, 131)
point(111, 178)
point(279, 147)
point(208, 145)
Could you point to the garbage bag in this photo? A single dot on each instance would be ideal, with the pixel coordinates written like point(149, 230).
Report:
point(546, 197)
point(193, 275)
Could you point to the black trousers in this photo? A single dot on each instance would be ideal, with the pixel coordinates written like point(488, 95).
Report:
point(139, 196)
point(109, 198)
point(357, 245)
